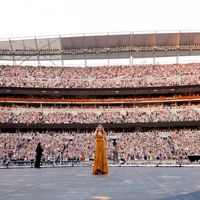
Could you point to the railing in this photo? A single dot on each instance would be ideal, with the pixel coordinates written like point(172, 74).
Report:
point(122, 163)
point(30, 163)
point(111, 100)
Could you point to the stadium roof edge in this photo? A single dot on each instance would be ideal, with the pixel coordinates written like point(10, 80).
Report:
point(109, 45)
point(100, 33)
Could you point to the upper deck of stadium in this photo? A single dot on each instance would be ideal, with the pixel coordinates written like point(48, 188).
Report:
point(102, 46)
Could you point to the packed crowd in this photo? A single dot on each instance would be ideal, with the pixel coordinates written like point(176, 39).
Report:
point(100, 77)
point(139, 145)
point(65, 115)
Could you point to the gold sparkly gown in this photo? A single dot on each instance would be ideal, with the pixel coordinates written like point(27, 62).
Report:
point(100, 157)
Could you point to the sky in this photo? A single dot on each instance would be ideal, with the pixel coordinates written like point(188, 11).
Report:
point(26, 18)
point(49, 18)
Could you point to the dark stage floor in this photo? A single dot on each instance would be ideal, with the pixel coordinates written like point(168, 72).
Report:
point(77, 183)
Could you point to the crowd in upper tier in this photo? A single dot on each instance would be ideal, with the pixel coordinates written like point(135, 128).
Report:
point(67, 115)
point(100, 77)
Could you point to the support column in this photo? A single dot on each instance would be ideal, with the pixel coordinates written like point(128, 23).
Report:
point(131, 59)
point(131, 49)
point(177, 57)
point(61, 50)
point(14, 61)
point(85, 60)
point(178, 47)
point(38, 56)
point(154, 58)
point(62, 62)
point(108, 59)
point(38, 60)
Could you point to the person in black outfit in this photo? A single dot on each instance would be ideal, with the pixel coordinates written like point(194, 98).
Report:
point(39, 151)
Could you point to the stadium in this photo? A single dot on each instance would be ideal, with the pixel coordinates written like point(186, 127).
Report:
point(150, 111)
point(56, 91)
point(151, 102)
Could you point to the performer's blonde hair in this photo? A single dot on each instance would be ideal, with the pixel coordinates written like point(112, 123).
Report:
point(101, 128)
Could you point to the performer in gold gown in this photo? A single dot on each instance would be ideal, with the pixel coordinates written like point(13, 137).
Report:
point(100, 157)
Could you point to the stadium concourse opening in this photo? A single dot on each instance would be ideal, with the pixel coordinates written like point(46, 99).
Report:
point(150, 112)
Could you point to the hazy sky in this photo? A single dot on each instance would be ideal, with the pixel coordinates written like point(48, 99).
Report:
point(23, 18)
